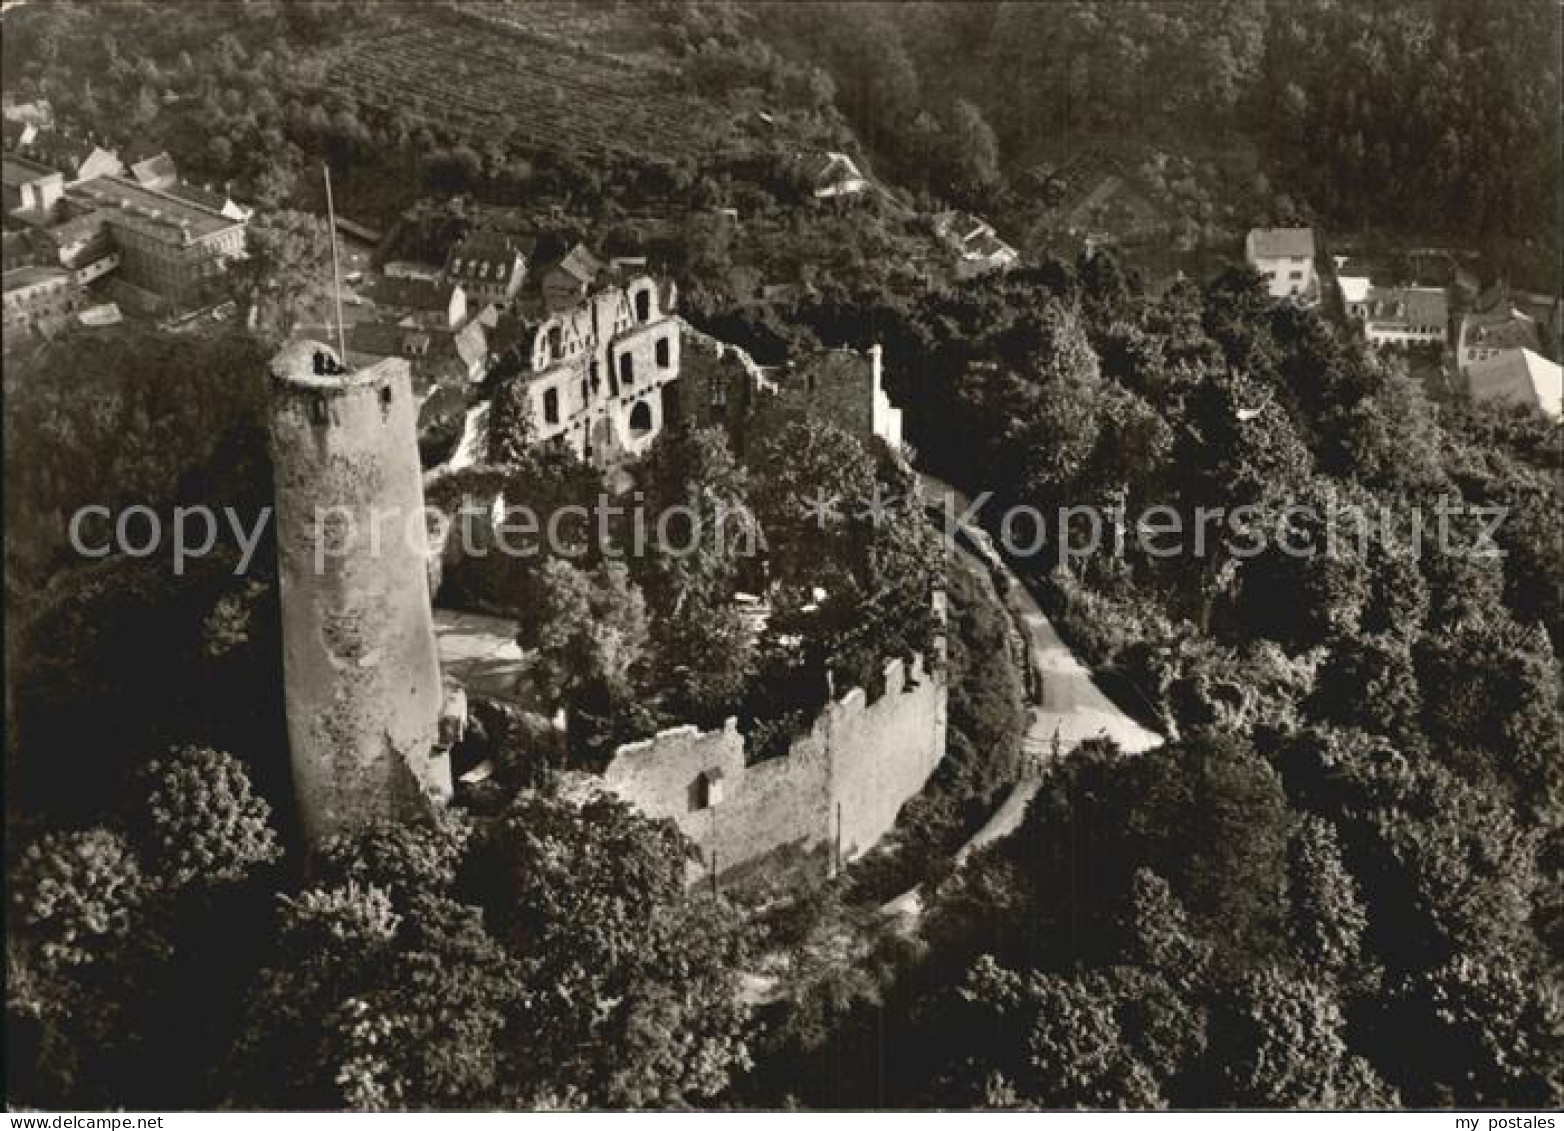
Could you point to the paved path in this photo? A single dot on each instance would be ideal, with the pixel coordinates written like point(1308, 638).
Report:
point(1069, 710)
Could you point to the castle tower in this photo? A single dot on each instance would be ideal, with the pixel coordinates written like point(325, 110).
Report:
point(360, 664)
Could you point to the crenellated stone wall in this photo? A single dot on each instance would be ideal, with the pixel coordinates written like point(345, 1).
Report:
point(830, 798)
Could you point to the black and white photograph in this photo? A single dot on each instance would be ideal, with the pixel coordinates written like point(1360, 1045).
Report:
point(783, 556)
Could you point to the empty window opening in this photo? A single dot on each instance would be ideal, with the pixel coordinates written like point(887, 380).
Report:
point(640, 419)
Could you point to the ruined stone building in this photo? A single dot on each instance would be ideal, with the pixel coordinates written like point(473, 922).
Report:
point(722, 386)
point(599, 375)
point(608, 374)
point(370, 722)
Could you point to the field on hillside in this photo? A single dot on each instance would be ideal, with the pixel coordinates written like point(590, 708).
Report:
point(478, 76)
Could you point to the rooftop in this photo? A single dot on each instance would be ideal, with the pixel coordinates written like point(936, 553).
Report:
point(485, 244)
point(149, 208)
point(581, 264)
point(1519, 376)
point(85, 226)
point(20, 277)
point(481, 654)
point(156, 170)
point(832, 168)
point(1279, 243)
point(1416, 306)
point(410, 294)
point(21, 171)
point(1501, 329)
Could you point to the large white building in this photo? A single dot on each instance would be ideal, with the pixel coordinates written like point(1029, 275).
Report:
point(1404, 316)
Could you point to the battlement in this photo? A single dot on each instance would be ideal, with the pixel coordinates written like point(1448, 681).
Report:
point(308, 366)
point(833, 794)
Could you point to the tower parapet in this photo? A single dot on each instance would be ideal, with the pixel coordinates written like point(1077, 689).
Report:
point(360, 662)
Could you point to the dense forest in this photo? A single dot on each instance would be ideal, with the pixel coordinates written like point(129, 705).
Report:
point(1351, 840)
point(1429, 116)
point(1338, 883)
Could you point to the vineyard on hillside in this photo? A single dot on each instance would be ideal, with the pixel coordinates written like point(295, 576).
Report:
point(477, 77)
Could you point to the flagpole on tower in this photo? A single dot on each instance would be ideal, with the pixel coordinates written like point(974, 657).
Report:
point(336, 269)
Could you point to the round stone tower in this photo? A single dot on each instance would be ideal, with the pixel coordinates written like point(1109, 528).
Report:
point(360, 665)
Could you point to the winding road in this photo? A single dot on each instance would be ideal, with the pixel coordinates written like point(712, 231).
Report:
point(1069, 707)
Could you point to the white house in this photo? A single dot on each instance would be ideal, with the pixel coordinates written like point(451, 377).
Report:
point(1285, 257)
point(1353, 280)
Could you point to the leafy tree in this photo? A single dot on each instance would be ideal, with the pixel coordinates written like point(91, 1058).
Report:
point(631, 994)
point(405, 860)
point(80, 936)
point(289, 255)
point(1058, 1044)
point(1369, 682)
point(76, 895)
point(1491, 1032)
point(1327, 917)
point(693, 474)
point(976, 161)
point(373, 1008)
point(589, 630)
point(1278, 1040)
point(200, 820)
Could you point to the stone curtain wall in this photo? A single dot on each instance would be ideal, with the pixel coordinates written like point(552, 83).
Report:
point(846, 778)
point(720, 385)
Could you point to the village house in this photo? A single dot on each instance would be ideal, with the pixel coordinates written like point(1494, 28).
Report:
point(1354, 278)
point(435, 354)
point(427, 323)
point(19, 135)
point(975, 242)
point(490, 266)
point(37, 298)
point(1485, 335)
point(1518, 377)
point(566, 283)
point(834, 175)
point(1285, 257)
point(31, 190)
point(82, 245)
point(78, 159)
point(426, 303)
point(157, 171)
point(1401, 316)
